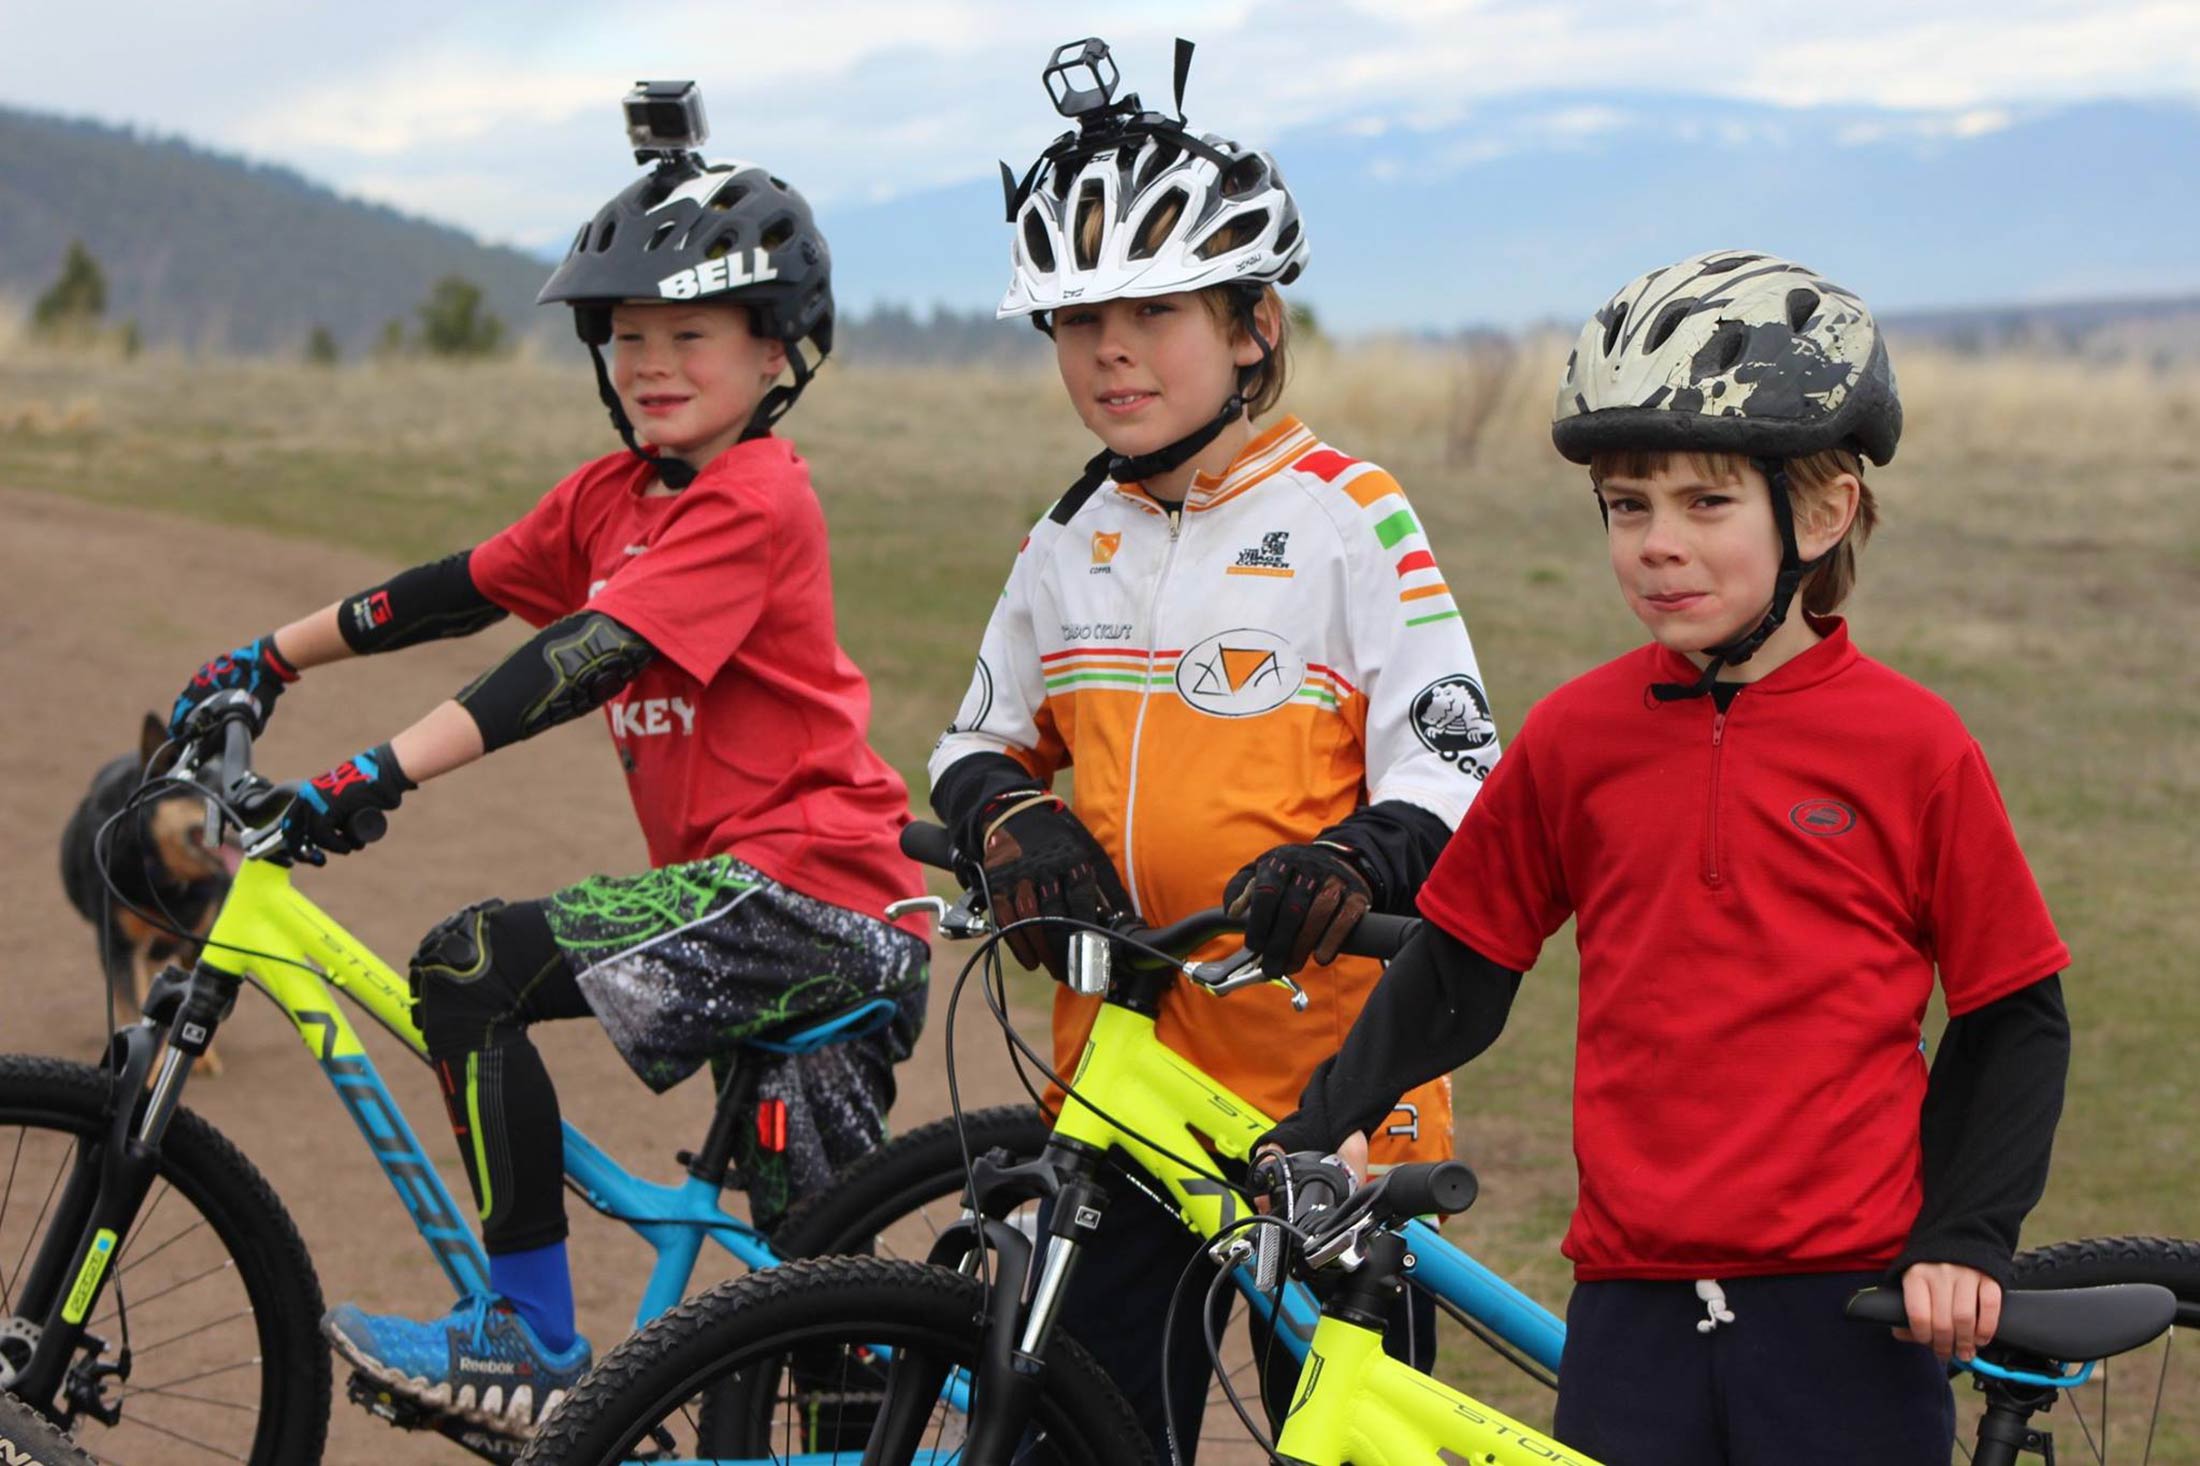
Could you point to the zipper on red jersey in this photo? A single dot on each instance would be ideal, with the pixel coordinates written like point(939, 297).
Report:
point(1138, 726)
point(1711, 873)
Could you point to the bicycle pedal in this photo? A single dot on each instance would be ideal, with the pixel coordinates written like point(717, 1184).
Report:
point(395, 1410)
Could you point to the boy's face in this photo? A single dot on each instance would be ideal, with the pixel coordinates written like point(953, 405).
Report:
point(1144, 373)
point(690, 375)
point(1695, 559)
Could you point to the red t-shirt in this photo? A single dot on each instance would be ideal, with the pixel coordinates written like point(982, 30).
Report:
point(1761, 898)
point(746, 733)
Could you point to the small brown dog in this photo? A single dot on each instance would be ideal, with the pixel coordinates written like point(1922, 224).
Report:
point(158, 859)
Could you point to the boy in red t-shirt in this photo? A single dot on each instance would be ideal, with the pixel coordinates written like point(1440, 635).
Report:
point(687, 592)
point(1769, 843)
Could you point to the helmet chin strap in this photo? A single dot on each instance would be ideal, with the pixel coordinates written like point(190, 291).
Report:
point(1793, 567)
point(1141, 467)
point(678, 473)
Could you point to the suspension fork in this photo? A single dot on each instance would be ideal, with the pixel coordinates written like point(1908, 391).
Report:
point(107, 1184)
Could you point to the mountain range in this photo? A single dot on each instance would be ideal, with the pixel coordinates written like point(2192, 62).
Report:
point(1529, 210)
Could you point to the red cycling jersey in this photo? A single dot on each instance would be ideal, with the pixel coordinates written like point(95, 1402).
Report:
point(747, 732)
point(1761, 897)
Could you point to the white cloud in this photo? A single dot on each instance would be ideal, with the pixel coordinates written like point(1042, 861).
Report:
point(500, 116)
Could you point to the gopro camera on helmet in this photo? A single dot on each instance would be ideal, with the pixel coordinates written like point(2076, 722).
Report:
point(1082, 78)
point(664, 119)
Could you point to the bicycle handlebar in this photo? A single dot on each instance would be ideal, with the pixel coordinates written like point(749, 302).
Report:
point(1376, 935)
point(223, 730)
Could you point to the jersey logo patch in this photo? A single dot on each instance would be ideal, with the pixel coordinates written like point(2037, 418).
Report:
point(1822, 817)
point(1452, 717)
point(1240, 674)
point(1104, 547)
point(1270, 557)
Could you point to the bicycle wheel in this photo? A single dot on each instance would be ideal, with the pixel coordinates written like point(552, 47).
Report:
point(207, 1335)
point(29, 1439)
point(2140, 1405)
point(794, 1360)
point(894, 1202)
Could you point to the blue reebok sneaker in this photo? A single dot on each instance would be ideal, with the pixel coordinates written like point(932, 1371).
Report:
point(480, 1362)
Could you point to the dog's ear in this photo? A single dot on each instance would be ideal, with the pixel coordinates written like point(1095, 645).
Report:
point(151, 738)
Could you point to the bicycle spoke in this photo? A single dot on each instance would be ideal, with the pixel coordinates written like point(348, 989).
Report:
point(2160, 1380)
point(177, 1435)
point(245, 1312)
point(129, 1393)
point(145, 1221)
point(225, 1265)
point(190, 1379)
point(66, 1162)
point(163, 1247)
point(7, 1194)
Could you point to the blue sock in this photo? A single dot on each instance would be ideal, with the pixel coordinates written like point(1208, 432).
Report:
point(539, 1286)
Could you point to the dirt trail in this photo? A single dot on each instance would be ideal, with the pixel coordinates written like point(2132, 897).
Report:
point(103, 613)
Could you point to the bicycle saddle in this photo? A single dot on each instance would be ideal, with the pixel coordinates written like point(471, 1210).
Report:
point(2068, 1324)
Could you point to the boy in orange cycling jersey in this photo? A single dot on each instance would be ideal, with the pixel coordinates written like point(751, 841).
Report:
point(684, 588)
point(1769, 843)
point(1237, 638)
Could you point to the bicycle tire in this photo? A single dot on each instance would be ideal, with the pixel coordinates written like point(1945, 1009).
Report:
point(28, 1438)
point(2172, 1262)
point(732, 1337)
point(255, 1238)
point(893, 1182)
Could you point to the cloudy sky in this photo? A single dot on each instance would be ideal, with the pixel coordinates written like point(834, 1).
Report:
point(502, 117)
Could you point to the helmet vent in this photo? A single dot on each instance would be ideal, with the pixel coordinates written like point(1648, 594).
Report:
point(723, 245)
point(777, 233)
point(1085, 236)
point(1036, 243)
point(1613, 326)
point(1159, 220)
point(728, 197)
point(1719, 355)
point(1242, 230)
point(1245, 177)
point(1158, 159)
point(604, 233)
point(1287, 236)
point(1802, 304)
point(1668, 321)
point(1727, 265)
point(662, 233)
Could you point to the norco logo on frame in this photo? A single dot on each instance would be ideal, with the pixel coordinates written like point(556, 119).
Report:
point(712, 276)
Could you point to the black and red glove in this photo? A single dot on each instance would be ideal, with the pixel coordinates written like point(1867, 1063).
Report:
point(1040, 860)
point(1299, 902)
point(324, 819)
point(256, 667)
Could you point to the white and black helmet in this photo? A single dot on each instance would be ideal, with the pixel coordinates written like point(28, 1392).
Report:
point(1733, 352)
point(1132, 205)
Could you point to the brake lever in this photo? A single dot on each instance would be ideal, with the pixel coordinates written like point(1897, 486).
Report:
point(960, 922)
point(1240, 970)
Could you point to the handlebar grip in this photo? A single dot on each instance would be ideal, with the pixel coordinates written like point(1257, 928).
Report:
point(928, 844)
point(1380, 935)
point(368, 825)
point(1430, 1186)
point(236, 751)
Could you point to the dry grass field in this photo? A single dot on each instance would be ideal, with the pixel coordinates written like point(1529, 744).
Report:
point(2038, 565)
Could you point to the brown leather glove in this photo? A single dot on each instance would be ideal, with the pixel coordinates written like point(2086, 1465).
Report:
point(1040, 860)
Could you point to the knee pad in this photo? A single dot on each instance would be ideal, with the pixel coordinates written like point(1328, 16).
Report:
point(474, 968)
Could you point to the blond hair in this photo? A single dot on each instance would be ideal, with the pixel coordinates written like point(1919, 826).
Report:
point(1810, 480)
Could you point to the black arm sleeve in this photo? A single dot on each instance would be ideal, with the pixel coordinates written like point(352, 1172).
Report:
point(568, 668)
point(426, 603)
point(1438, 1005)
point(970, 783)
point(1987, 1129)
point(1397, 844)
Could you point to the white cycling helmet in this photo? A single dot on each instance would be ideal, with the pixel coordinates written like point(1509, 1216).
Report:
point(1133, 205)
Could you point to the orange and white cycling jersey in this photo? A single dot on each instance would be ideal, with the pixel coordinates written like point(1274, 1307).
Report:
point(1226, 680)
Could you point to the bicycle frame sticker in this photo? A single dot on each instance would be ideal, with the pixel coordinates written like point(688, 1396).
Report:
point(88, 1276)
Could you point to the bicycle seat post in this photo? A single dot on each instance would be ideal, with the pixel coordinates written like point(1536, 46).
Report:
point(715, 1159)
